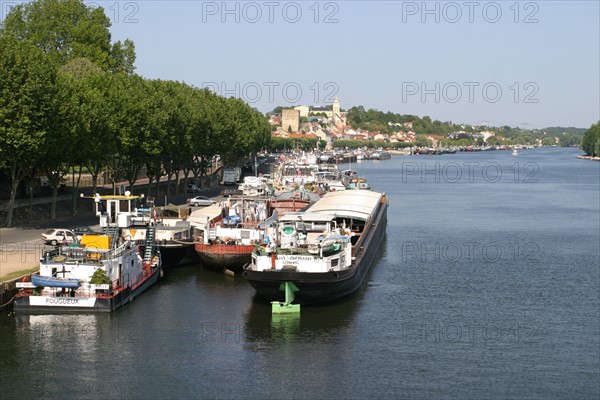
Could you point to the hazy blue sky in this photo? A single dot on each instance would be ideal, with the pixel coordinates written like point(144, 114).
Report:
point(527, 64)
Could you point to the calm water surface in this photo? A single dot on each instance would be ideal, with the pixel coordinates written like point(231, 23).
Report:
point(487, 286)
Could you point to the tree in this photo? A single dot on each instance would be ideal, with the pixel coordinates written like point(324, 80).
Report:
point(568, 140)
point(123, 57)
point(547, 141)
point(422, 141)
point(591, 137)
point(27, 87)
point(68, 29)
point(81, 128)
point(136, 126)
point(63, 29)
point(492, 141)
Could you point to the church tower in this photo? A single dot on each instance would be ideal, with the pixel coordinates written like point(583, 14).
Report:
point(336, 108)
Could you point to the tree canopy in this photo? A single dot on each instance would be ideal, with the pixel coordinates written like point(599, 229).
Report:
point(69, 98)
point(591, 141)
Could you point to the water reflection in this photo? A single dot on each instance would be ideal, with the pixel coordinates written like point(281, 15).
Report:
point(315, 323)
point(62, 345)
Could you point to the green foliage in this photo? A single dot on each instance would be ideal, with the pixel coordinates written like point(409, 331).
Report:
point(493, 141)
point(69, 29)
point(68, 98)
point(548, 141)
point(559, 130)
point(27, 108)
point(568, 140)
point(372, 144)
point(375, 120)
point(63, 29)
point(287, 144)
point(590, 140)
point(100, 278)
point(123, 57)
point(422, 141)
point(27, 85)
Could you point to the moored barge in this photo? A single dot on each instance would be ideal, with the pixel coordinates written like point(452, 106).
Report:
point(322, 254)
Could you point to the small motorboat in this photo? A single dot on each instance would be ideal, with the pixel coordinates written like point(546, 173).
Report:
point(52, 281)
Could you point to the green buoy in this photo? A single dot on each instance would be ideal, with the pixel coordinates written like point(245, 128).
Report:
point(286, 307)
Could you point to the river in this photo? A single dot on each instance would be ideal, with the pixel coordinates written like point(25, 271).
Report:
point(487, 286)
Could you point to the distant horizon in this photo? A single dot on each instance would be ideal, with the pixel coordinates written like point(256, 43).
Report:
point(345, 109)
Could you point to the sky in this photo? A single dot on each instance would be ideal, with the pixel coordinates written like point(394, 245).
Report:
point(531, 64)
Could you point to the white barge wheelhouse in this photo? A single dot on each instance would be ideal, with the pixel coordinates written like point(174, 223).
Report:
point(324, 252)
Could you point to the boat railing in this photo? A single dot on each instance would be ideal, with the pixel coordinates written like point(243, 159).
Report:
point(74, 255)
point(121, 284)
point(65, 292)
point(122, 247)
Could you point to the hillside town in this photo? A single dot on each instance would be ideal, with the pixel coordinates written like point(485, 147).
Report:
point(331, 123)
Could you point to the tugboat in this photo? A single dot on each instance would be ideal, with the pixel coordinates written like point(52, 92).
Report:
point(322, 254)
point(101, 272)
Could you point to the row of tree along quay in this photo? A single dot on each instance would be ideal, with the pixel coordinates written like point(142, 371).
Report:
point(71, 102)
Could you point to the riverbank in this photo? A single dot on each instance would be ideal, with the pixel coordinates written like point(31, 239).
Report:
point(588, 158)
point(16, 261)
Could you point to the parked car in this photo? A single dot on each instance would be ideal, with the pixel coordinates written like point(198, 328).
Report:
point(83, 230)
point(56, 236)
point(200, 201)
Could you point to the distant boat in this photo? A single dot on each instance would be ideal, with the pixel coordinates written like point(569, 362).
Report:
point(515, 152)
